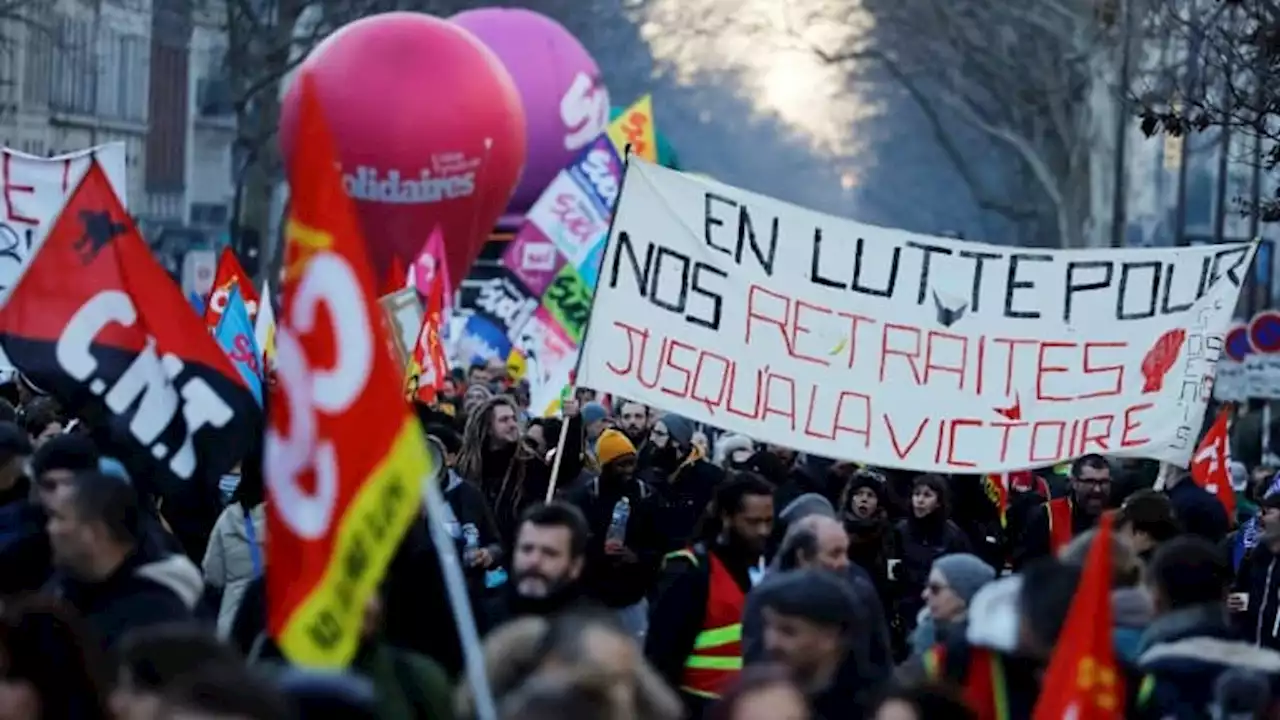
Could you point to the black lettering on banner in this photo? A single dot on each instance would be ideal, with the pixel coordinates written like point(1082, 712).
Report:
point(326, 630)
point(682, 300)
point(746, 234)
point(1153, 293)
point(1166, 308)
point(1235, 256)
point(925, 262)
point(648, 279)
point(1015, 284)
point(892, 282)
point(978, 259)
point(1074, 286)
point(814, 274)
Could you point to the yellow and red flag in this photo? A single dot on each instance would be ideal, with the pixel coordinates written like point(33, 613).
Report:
point(1083, 680)
point(634, 128)
point(427, 368)
point(1211, 465)
point(228, 275)
point(344, 458)
point(997, 488)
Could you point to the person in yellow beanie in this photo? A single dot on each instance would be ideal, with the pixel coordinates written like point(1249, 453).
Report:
point(625, 547)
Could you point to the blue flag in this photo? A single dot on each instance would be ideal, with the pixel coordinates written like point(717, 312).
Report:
point(235, 336)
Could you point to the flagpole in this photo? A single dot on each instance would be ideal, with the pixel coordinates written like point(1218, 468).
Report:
point(577, 363)
point(456, 586)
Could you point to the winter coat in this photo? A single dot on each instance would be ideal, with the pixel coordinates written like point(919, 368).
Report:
point(920, 541)
point(234, 558)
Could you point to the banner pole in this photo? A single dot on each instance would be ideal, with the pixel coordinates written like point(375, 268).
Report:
point(586, 329)
point(456, 586)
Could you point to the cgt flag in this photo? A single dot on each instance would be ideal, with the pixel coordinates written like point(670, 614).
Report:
point(229, 275)
point(100, 324)
point(344, 458)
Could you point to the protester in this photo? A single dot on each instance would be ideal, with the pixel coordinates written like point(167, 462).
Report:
point(51, 666)
point(1256, 600)
point(220, 691)
point(408, 685)
point(1198, 510)
point(1052, 525)
point(695, 631)
point(467, 516)
point(1145, 520)
point(633, 421)
point(733, 452)
point(595, 420)
point(862, 509)
point(1131, 605)
point(953, 581)
point(762, 692)
point(625, 549)
point(150, 660)
point(24, 546)
point(511, 476)
point(546, 564)
point(921, 538)
point(106, 573)
point(1190, 645)
point(683, 479)
point(42, 419)
point(236, 551)
point(924, 702)
point(809, 627)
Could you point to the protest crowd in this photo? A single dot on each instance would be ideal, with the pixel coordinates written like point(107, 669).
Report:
point(288, 505)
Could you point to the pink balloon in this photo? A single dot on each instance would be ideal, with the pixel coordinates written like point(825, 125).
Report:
point(566, 104)
point(429, 128)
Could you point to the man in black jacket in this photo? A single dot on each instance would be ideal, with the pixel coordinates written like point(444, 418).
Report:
point(24, 547)
point(623, 553)
point(546, 565)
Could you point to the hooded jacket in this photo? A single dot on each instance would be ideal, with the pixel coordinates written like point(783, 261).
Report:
point(146, 589)
point(233, 558)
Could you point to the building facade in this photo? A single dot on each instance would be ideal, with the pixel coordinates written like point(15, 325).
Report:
point(148, 73)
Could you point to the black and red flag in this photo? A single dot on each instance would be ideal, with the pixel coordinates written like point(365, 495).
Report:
point(96, 321)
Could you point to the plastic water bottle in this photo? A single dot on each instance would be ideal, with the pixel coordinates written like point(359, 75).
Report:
point(471, 539)
point(618, 524)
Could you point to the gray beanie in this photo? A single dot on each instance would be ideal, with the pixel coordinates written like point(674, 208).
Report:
point(818, 596)
point(593, 412)
point(804, 506)
point(965, 573)
point(680, 429)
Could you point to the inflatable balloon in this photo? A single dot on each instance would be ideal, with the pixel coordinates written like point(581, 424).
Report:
point(667, 156)
point(566, 105)
point(429, 128)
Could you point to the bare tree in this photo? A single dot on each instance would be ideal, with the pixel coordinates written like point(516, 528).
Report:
point(1035, 80)
point(1217, 67)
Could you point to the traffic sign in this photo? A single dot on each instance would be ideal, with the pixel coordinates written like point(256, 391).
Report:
point(1264, 332)
point(1236, 343)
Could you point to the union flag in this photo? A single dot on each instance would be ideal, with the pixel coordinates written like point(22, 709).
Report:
point(1210, 466)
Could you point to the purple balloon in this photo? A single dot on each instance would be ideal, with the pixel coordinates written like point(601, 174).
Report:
point(566, 104)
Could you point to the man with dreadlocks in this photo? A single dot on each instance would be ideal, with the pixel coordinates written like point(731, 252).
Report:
point(510, 473)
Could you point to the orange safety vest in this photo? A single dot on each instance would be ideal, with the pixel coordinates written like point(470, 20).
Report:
point(716, 659)
point(1059, 524)
point(985, 690)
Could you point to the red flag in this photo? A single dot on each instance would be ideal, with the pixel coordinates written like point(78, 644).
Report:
point(229, 274)
point(344, 458)
point(997, 487)
point(397, 277)
point(1083, 681)
point(428, 368)
point(1211, 465)
point(100, 324)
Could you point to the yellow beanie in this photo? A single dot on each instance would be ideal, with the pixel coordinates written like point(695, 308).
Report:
point(613, 445)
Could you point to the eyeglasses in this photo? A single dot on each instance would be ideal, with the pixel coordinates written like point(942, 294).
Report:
point(937, 588)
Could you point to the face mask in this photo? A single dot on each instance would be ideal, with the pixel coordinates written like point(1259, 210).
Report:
point(227, 485)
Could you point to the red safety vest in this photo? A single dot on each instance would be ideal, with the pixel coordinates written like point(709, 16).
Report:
point(1059, 524)
point(716, 659)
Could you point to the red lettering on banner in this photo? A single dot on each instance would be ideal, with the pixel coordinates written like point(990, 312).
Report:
point(700, 372)
point(1102, 439)
point(837, 417)
point(853, 332)
point(758, 386)
point(893, 436)
point(778, 322)
point(1014, 344)
point(931, 366)
point(1043, 369)
point(788, 387)
point(1090, 369)
point(1057, 449)
point(669, 356)
point(799, 329)
point(1005, 429)
point(1131, 424)
point(10, 188)
point(886, 350)
point(951, 442)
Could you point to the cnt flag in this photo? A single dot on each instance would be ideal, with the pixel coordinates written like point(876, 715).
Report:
point(228, 275)
point(100, 324)
point(344, 459)
point(235, 336)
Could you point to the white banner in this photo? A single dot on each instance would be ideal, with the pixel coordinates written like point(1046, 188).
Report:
point(902, 350)
point(32, 193)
